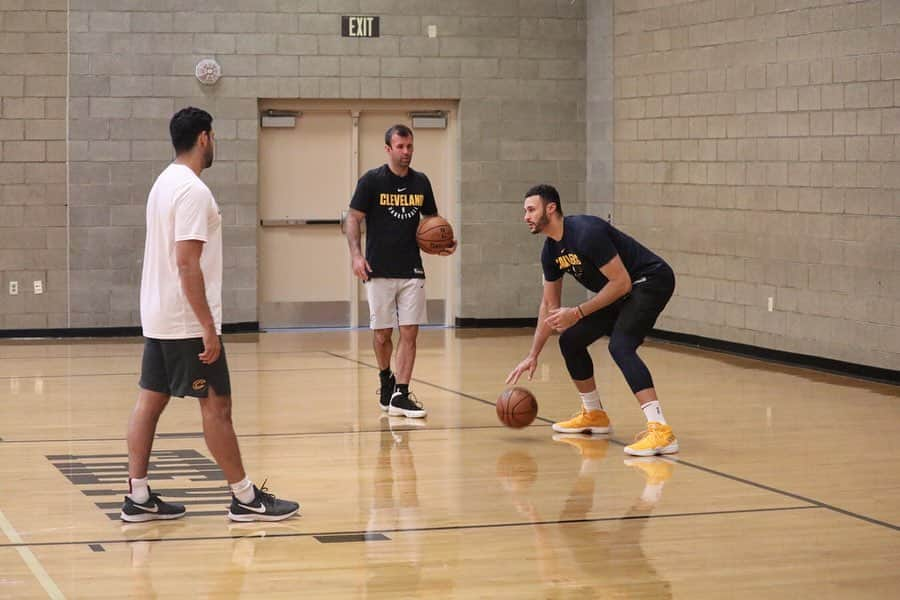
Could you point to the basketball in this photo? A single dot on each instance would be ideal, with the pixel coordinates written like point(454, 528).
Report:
point(516, 407)
point(434, 235)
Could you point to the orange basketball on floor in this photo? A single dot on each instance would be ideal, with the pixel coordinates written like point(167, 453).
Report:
point(434, 234)
point(516, 407)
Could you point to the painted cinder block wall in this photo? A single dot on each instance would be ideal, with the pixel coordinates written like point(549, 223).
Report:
point(517, 68)
point(757, 146)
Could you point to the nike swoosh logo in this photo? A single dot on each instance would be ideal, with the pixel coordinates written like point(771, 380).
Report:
point(401, 189)
point(261, 509)
point(153, 509)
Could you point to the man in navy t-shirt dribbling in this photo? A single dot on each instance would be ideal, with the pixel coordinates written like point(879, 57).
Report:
point(632, 286)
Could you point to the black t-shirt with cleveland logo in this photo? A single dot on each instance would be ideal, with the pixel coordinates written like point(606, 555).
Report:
point(587, 244)
point(392, 205)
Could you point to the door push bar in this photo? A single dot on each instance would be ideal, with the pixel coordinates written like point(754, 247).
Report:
point(297, 222)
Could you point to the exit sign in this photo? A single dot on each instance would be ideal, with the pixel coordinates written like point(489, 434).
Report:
point(360, 27)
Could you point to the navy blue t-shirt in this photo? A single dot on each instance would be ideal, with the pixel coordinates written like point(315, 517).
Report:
point(587, 244)
point(392, 205)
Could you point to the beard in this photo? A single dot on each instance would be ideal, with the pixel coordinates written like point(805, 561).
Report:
point(540, 224)
point(208, 156)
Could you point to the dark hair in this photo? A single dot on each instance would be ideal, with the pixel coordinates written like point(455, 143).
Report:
point(401, 130)
point(186, 125)
point(547, 193)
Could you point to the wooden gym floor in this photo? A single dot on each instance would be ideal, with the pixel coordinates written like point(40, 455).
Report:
point(787, 484)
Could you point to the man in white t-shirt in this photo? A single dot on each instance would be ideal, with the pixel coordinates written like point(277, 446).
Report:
point(181, 316)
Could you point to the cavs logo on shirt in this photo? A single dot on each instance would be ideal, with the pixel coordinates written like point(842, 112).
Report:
point(570, 262)
point(402, 206)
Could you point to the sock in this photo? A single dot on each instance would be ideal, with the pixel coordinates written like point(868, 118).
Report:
point(243, 490)
point(403, 388)
point(139, 489)
point(591, 400)
point(653, 411)
point(385, 374)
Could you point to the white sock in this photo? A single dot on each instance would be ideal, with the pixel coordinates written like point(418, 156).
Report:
point(243, 490)
point(653, 411)
point(591, 400)
point(139, 489)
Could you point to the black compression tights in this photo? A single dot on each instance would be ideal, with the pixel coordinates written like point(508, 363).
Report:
point(623, 347)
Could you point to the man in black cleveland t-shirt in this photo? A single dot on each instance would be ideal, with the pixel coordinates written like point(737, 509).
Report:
point(391, 199)
point(632, 286)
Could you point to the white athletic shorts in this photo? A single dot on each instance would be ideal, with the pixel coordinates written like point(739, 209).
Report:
point(395, 302)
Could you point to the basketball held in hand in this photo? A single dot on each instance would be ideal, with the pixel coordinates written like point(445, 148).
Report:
point(516, 407)
point(434, 235)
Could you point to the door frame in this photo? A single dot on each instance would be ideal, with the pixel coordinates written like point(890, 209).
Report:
point(451, 174)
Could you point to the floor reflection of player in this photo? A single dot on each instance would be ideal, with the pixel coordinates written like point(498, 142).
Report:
point(593, 559)
point(394, 567)
point(141, 539)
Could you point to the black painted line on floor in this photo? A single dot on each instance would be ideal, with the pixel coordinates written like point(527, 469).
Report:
point(97, 547)
point(434, 385)
point(137, 355)
point(137, 373)
point(351, 537)
point(192, 434)
point(299, 534)
point(749, 482)
point(769, 488)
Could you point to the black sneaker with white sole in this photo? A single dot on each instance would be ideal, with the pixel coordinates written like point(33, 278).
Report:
point(406, 405)
point(386, 390)
point(153, 509)
point(265, 507)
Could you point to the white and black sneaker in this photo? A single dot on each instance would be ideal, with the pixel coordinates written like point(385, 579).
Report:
point(153, 509)
point(406, 405)
point(386, 390)
point(265, 507)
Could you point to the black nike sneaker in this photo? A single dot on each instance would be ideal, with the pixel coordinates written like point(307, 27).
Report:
point(386, 390)
point(406, 405)
point(265, 507)
point(153, 509)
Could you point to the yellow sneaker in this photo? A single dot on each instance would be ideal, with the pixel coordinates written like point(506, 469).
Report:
point(656, 470)
point(587, 421)
point(656, 439)
point(587, 446)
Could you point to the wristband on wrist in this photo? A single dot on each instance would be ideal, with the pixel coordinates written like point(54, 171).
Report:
point(580, 312)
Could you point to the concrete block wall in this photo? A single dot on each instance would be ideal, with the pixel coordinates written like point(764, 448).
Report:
point(33, 163)
point(599, 181)
point(516, 66)
point(757, 147)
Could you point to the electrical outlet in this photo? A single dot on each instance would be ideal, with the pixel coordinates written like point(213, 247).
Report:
point(38, 286)
point(771, 303)
point(432, 31)
point(13, 288)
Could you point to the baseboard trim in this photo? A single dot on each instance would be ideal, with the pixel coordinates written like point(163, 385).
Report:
point(467, 323)
point(109, 332)
point(818, 363)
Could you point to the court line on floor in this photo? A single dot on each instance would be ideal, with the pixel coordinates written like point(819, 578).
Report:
point(137, 373)
point(769, 488)
point(299, 534)
point(34, 565)
point(137, 354)
point(675, 459)
point(199, 434)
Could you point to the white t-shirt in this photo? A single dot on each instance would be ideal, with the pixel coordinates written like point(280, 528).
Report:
point(179, 207)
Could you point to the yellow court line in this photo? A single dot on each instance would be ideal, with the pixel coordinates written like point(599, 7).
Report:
point(28, 556)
